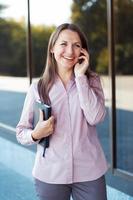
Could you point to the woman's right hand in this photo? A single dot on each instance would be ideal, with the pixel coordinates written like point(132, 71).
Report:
point(43, 128)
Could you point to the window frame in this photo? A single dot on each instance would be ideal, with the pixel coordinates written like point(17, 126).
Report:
point(113, 133)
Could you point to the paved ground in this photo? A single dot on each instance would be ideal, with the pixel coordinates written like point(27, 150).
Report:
point(16, 182)
point(16, 161)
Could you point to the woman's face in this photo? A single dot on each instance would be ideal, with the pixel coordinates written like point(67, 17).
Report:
point(67, 49)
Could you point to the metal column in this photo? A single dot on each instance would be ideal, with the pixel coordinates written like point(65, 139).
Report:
point(111, 46)
point(29, 45)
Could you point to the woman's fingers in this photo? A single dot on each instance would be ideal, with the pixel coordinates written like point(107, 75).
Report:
point(51, 124)
point(51, 120)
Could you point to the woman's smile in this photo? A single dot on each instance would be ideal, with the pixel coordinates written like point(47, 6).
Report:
point(68, 58)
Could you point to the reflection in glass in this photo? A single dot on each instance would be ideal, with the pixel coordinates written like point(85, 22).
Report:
point(43, 25)
point(103, 128)
point(124, 83)
point(12, 60)
point(124, 97)
point(91, 17)
point(12, 39)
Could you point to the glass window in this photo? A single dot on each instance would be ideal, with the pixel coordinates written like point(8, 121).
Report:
point(91, 17)
point(12, 60)
point(124, 83)
point(13, 84)
point(42, 25)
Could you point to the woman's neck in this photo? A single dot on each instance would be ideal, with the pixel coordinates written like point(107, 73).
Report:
point(65, 76)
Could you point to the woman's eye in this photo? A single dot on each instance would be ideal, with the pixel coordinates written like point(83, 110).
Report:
point(77, 46)
point(63, 44)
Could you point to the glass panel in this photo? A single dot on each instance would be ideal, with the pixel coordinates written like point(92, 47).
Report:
point(91, 16)
point(103, 128)
point(42, 25)
point(15, 160)
point(124, 83)
point(12, 60)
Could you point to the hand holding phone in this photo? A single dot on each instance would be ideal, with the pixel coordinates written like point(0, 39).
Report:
point(81, 59)
point(82, 64)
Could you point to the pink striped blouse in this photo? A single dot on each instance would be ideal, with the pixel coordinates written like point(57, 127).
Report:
point(75, 153)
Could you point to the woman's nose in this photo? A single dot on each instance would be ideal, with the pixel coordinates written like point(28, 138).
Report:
point(70, 50)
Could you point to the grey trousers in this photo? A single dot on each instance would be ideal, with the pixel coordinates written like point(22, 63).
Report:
point(89, 190)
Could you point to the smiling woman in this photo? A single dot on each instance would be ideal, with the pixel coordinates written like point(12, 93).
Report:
point(74, 163)
point(42, 12)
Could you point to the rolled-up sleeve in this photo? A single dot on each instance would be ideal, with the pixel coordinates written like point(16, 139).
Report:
point(91, 98)
point(24, 128)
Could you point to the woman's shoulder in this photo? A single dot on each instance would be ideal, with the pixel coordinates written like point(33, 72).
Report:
point(94, 78)
point(34, 85)
point(34, 89)
point(93, 74)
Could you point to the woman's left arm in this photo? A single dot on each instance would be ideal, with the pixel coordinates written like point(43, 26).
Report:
point(91, 98)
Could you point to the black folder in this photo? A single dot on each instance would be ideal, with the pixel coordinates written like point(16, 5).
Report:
point(46, 109)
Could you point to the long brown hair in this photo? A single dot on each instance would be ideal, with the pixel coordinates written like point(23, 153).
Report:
point(50, 70)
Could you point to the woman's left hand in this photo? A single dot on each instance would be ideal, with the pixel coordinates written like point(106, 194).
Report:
point(81, 66)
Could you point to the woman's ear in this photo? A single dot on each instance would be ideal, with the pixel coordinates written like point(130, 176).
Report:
point(51, 50)
point(52, 53)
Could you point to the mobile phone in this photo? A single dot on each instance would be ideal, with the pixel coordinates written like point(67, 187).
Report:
point(81, 59)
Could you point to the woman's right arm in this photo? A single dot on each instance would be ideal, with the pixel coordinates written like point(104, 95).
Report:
point(26, 133)
point(24, 128)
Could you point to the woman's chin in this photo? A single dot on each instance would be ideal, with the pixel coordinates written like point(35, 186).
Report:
point(66, 65)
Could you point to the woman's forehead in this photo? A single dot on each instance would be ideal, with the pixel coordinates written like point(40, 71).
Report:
point(68, 35)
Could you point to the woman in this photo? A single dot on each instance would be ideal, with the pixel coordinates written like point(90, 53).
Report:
point(74, 163)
